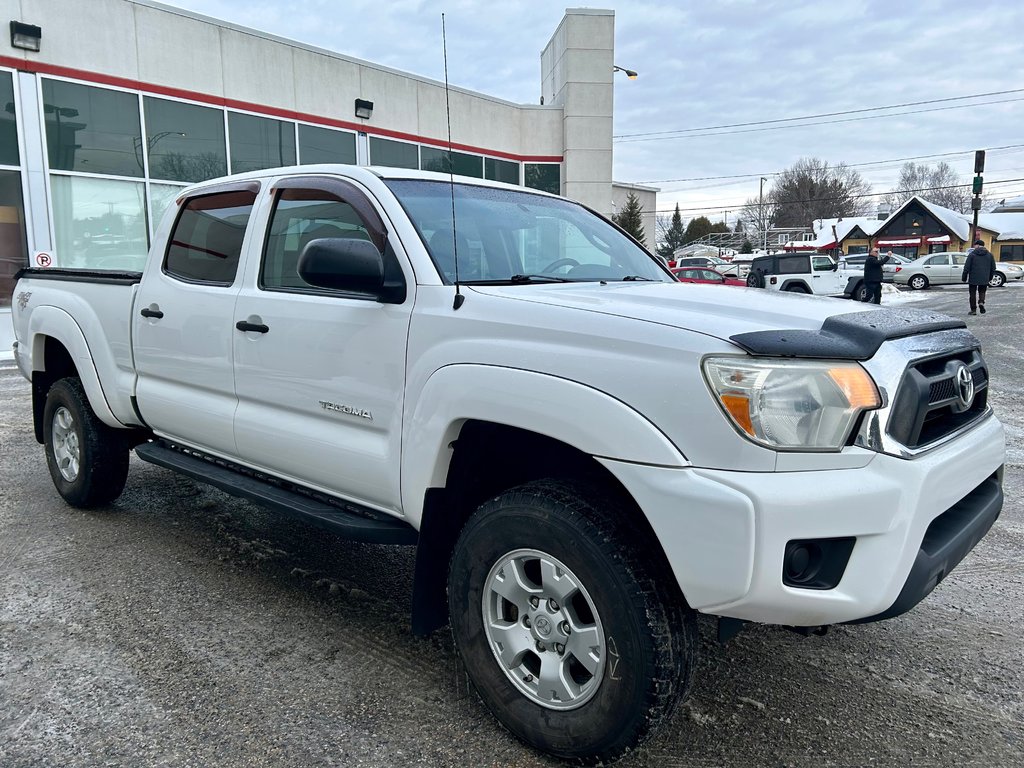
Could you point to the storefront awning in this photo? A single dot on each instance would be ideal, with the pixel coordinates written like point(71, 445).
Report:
point(941, 239)
point(900, 241)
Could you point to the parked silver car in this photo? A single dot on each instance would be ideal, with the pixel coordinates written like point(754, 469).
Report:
point(947, 269)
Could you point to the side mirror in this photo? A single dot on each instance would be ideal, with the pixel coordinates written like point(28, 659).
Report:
point(344, 264)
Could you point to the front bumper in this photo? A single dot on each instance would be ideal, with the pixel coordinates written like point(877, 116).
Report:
point(725, 533)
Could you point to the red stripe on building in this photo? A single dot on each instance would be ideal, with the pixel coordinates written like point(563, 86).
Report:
point(42, 68)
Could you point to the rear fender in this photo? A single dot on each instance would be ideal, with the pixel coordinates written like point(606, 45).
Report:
point(55, 323)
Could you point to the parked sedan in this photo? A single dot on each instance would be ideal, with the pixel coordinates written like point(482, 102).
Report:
point(697, 275)
point(932, 269)
point(947, 269)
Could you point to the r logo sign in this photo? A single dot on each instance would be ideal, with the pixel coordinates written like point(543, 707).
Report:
point(43, 259)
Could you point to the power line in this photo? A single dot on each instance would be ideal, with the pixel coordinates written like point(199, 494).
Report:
point(739, 206)
point(848, 165)
point(823, 114)
point(824, 122)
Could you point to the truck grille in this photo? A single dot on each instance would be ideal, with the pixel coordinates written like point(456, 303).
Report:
point(930, 402)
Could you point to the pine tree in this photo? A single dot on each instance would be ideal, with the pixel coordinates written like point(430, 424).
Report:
point(747, 247)
point(675, 236)
point(630, 218)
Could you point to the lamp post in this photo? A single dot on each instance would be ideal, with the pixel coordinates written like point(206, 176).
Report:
point(632, 75)
point(152, 142)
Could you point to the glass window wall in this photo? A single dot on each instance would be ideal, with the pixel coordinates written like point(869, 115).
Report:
point(260, 142)
point(13, 252)
point(322, 145)
point(93, 130)
point(8, 126)
point(185, 142)
point(99, 223)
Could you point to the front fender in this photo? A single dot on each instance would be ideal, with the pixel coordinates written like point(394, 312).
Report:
point(586, 419)
point(55, 323)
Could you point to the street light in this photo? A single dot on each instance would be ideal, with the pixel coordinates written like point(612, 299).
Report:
point(629, 72)
point(152, 142)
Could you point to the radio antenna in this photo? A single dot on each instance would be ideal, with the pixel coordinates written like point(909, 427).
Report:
point(459, 298)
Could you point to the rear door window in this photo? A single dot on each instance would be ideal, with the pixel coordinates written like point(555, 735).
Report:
point(206, 242)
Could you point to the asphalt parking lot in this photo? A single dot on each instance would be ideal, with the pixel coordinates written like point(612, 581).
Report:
point(182, 627)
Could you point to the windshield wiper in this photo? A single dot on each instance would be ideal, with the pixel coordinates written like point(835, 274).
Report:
point(638, 277)
point(539, 279)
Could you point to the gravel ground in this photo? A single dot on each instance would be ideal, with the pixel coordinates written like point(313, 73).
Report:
point(182, 627)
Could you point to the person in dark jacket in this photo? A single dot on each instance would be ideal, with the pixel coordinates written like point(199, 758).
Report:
point(978, 270)
point(873, 276)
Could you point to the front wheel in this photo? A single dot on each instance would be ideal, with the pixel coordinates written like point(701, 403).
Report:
point(998, 280)
point(88, 461)
point(569, 636)
point(918, 282)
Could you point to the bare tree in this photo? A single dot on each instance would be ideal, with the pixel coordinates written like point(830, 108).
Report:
point(812, 189)
point(940, 185)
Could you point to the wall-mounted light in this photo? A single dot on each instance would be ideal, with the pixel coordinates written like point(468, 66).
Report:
point(364, 109)
point(629, 72)
point(26, 36)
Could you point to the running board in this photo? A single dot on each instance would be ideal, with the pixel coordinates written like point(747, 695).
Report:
point(350, 521)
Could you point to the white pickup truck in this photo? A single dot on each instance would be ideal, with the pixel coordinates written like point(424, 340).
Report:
point(585, 452)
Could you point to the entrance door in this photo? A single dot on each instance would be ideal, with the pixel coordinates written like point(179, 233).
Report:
point(321, 380)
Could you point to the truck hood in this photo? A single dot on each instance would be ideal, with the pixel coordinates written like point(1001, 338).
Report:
point(716, 310)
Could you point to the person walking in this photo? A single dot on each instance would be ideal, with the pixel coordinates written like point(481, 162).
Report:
point(978, 270)
point(873, 276)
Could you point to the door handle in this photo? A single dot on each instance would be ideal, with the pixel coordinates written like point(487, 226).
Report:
point(154, 313)
point(245, 325)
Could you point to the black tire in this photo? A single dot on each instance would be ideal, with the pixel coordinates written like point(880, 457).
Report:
point(918, 282)
point(755, 279)
point(796, 289)
point(860, 293)
point(102, 452)
point(651, 635)
point(998, 280)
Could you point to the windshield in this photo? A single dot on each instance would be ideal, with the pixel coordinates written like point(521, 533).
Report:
point(506, 236)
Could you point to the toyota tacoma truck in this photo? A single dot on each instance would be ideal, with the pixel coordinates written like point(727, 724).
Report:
point(585, 452)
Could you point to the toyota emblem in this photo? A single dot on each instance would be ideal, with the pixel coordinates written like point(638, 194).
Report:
point(964, 386)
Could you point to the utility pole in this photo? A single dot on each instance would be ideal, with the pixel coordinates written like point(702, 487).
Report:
point(760, 215)
point(979, 167)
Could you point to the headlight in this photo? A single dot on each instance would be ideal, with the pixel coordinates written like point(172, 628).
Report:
point(791, 404)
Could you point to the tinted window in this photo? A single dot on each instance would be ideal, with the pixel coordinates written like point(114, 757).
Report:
point(546, 177)
point(443, 161)
point(207, 239)
point(501, 170)
point(1011, 253)
point(299, 217)
point(185, 141)
point(89, 129)
point(8, 127)
point(259, 142)
point(395, 154)
point(322, 145)
point(792, 265)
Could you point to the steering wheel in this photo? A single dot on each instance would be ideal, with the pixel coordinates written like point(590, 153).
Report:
point(558, 264)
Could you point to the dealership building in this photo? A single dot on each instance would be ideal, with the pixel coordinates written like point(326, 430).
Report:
point(111, 107)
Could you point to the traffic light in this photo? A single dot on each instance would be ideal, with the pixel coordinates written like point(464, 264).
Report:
point(979, 161)
point(976, 187)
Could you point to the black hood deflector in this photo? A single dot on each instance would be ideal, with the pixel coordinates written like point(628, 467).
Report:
point(854, 336)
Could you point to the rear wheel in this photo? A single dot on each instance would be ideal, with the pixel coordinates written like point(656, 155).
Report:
point(88, 461)
point(568, 634)
point(918, 282)
point(998, 280)
point(795, 289)
point(860, 293)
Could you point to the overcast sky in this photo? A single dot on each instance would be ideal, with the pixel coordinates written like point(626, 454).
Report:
point(705, 64)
